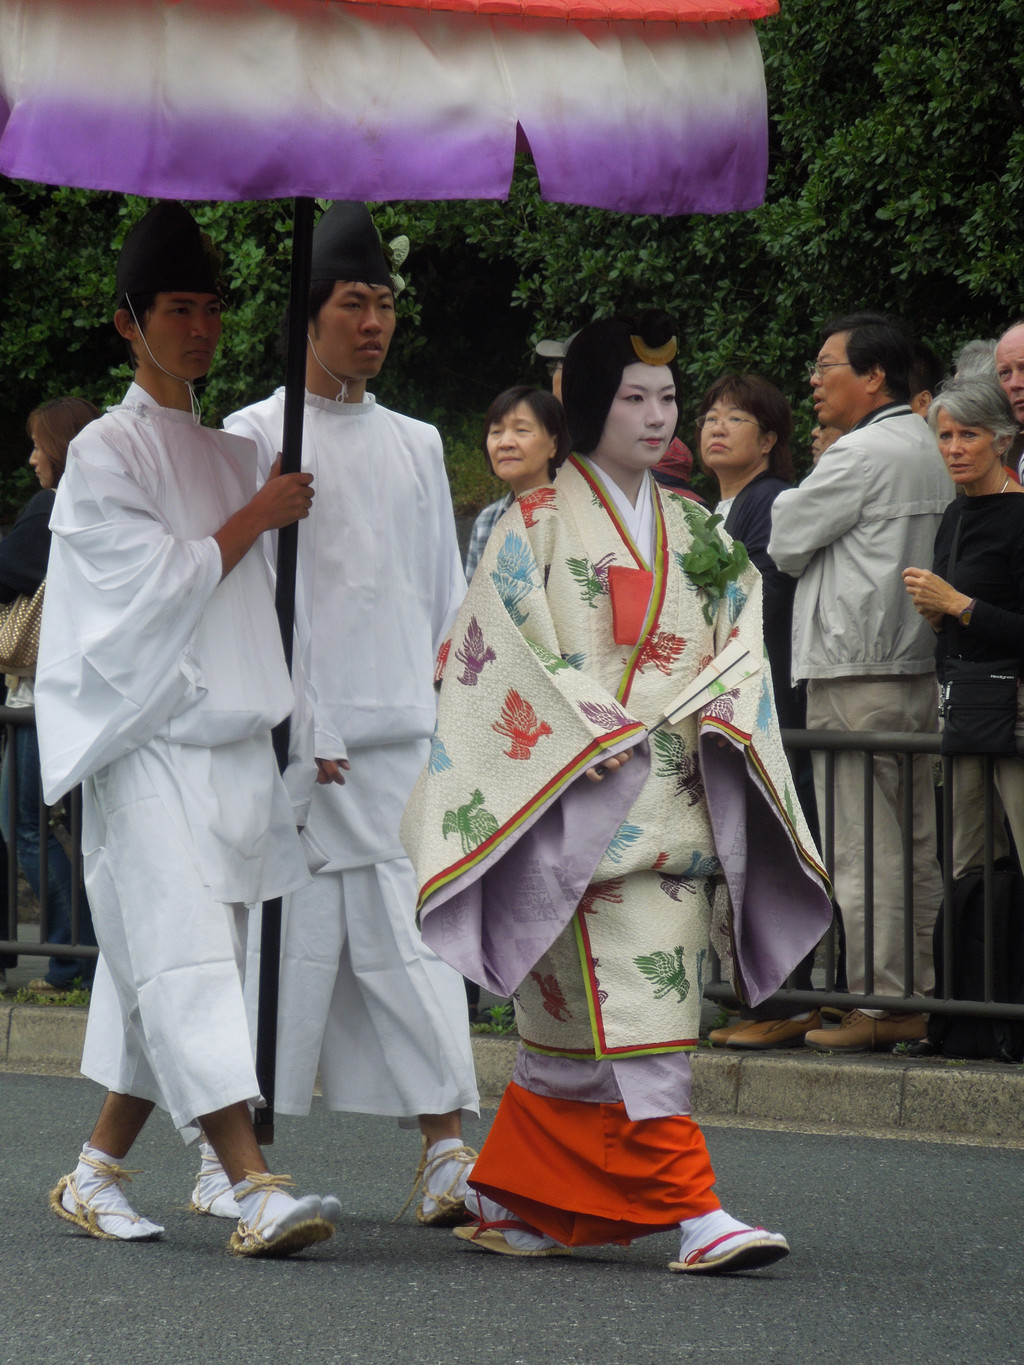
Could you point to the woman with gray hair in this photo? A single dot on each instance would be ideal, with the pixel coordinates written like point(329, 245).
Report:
point(974, 597)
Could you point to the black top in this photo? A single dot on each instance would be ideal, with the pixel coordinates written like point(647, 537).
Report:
point(26, 548)
point(749, 520)
point(989, 567)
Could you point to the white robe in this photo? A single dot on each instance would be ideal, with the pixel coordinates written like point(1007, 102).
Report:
point(157, 686)
point(379, 582)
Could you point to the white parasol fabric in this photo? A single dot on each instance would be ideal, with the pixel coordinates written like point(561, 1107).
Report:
point(645, 106)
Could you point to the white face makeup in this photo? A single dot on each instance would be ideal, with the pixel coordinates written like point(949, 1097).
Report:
point(640, 424)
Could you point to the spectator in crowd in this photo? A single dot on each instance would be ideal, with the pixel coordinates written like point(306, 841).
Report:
point(744, 425)
point(525, 439)
point(23, 557)
point(974, 595)
point(160, 676)
point(859, 518)
point(926, 374)
point(821, 439)
point(553, 353)
point(553, 863)
point(363, 1001)
point(977, 357)
point(673, 471)
point(1010, 373)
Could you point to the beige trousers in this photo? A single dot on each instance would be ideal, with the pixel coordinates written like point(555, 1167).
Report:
point(969, 804)
point(895, 703)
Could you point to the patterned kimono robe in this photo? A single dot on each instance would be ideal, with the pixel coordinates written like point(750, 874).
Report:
point(594, 903)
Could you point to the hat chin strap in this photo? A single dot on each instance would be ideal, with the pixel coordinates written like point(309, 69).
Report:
point(342, 394)
point(194, 404)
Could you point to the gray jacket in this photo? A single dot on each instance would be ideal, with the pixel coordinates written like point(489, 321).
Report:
point(869, 510)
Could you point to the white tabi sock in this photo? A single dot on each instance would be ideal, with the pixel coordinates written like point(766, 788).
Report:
point(269, 1212)
point(490, 1211)
point(447, 1179)
point(212, 1193)
point(95, 1187)
point(700, 1232)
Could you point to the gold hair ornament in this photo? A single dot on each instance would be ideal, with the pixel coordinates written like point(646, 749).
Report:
point(659, 355)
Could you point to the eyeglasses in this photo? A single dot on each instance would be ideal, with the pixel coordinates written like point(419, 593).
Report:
point(816, 368)
point(709, 419)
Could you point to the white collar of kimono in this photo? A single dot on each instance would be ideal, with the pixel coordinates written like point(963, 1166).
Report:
point(140, 401)
point(639, 520)
point(313, 400)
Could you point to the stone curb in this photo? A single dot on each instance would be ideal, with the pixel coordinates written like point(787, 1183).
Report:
point(53, 1034)
point(877, 1094)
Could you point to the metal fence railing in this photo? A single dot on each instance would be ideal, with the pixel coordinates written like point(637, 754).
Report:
point(68, 816)
point(905, 746)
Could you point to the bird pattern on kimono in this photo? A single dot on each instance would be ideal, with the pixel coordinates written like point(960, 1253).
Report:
point(600, 713)
point(552, 996)
point(662, 649)
point(666, 971)
point(610, 891)
point(535, 501)
point(473, 654)
point(520, 725)
point(471, 822)
point(513, 577)
point(592, 578)
point(676, 762)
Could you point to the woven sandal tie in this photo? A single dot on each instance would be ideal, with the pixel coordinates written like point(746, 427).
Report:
point(464, 1156)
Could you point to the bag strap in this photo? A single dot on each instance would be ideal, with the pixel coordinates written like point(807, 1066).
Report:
point(950, 570)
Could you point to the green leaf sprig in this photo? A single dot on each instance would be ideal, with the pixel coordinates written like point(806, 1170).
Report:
point(710, 565)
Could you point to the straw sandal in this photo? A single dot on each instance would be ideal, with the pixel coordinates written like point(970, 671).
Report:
point(491, 1237)
point(301, 1226)
point(87, 1211)
point(451, 1207)
point(718, 1257)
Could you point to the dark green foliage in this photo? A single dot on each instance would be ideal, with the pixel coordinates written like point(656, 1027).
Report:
point(897, 163)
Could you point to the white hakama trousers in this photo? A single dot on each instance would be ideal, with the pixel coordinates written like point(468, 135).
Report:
point(167, 1020)
point(365, 1001)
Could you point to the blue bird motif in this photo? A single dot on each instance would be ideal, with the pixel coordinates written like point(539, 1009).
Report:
point(627, 835)
point(513, 575)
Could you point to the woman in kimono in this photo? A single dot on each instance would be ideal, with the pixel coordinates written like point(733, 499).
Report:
point(569, 857)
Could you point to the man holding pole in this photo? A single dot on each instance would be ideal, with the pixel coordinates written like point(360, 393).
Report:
point(160, 677)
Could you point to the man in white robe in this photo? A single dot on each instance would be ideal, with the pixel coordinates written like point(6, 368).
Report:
point(160, 677)
point(379, 583)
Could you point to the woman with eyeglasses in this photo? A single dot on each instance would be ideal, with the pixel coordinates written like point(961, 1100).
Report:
point(744, 426)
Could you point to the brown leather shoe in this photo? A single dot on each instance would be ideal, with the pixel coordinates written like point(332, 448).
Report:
point(765, 1033)
point(860, 1032)
point(719, 1037)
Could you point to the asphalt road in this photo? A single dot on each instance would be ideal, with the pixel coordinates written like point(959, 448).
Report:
point(902, 1252)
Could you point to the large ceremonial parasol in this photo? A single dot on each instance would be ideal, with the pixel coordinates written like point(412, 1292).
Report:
point(641, 106)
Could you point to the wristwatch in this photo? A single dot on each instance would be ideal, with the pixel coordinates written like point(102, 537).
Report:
point(965, 616)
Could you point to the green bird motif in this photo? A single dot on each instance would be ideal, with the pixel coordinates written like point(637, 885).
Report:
point(470, 822)
point(667, 972)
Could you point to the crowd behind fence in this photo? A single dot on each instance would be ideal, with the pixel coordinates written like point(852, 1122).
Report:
point(826, 742)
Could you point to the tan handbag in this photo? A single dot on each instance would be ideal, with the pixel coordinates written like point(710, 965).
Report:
point(19, 633)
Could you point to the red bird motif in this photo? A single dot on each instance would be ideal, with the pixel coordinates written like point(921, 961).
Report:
point(442, 661)
point(661, 649)
point(519, 724)
point(553, 998)
point(535, 501)
point(601, 891)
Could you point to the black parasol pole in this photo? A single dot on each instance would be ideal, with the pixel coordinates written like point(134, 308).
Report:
point(287, 549)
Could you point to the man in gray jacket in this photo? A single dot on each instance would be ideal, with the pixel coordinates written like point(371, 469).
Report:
point(868, 509)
